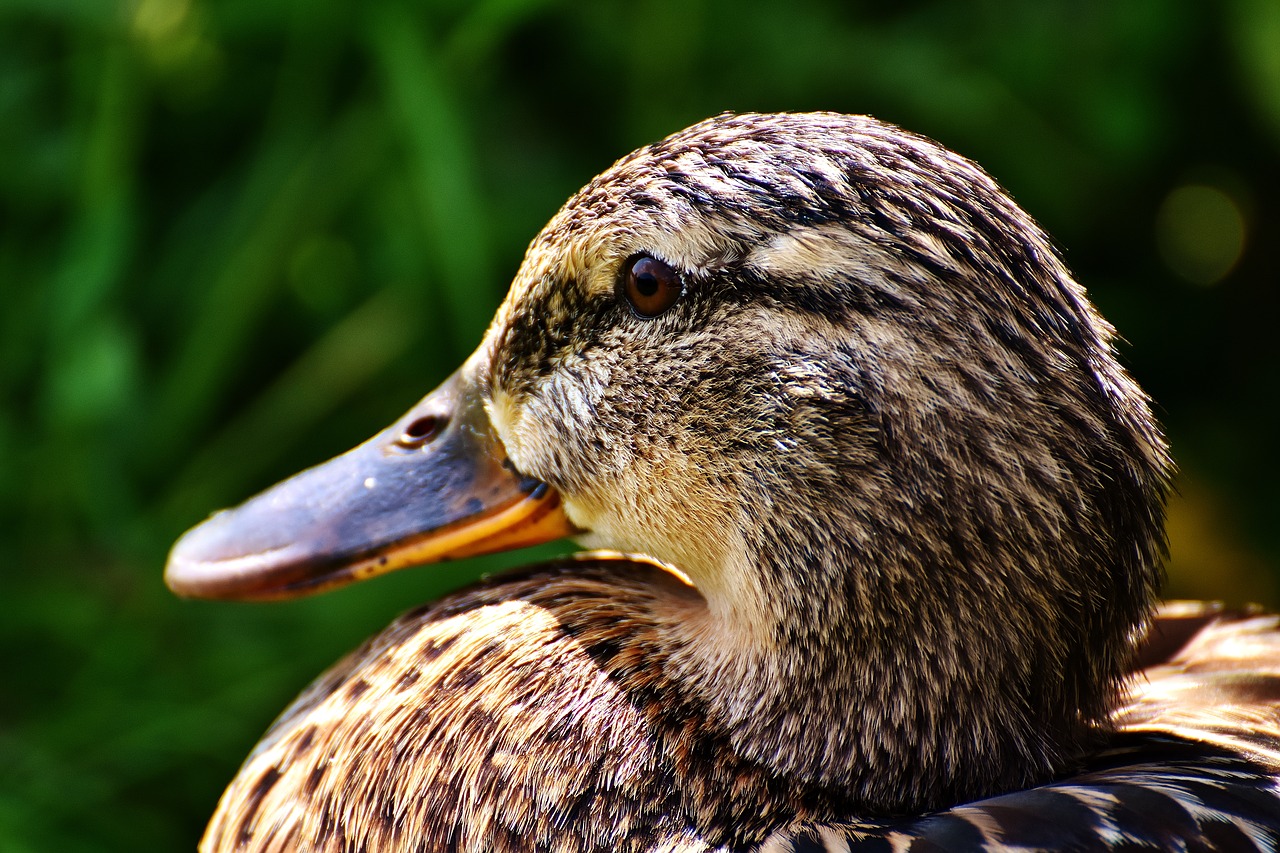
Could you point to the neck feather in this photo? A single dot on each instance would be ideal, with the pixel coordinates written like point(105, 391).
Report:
point(850, 680)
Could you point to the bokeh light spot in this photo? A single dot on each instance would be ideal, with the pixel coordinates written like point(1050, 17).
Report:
point(159, 19)
point(1200, 231)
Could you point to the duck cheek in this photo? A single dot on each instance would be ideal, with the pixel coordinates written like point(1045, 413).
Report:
point(555, 437)
point(664, 511)
point(610, 520)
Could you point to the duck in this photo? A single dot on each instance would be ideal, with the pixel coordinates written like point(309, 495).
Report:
point(874, 519)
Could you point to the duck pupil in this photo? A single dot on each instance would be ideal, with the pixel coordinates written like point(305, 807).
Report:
point(650, 286)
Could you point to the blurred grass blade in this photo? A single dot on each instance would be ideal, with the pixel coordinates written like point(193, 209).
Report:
point(443, 169)
point(305, 195)
point(337, 366)
point(487, 24)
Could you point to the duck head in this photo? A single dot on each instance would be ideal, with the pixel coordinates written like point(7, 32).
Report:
point(833, 375)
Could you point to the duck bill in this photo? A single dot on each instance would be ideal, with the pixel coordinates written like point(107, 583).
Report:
point(436, 485)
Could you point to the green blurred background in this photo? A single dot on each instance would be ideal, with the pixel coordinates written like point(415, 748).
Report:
point(237, 237)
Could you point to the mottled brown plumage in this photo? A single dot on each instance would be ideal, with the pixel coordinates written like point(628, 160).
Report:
point(884, 437)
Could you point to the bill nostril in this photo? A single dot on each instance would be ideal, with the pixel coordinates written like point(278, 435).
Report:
point(422, 431)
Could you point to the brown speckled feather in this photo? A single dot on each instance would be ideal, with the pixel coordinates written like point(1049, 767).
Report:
point(462, 727)
point(1220, 685)
point(534, 714)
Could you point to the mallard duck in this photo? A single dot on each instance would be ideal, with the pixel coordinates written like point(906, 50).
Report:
point(881, 527)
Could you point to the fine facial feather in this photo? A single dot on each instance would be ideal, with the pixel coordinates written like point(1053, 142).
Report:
point(886, 438)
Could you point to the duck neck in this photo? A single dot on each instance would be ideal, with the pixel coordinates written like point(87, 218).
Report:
point(842, 676)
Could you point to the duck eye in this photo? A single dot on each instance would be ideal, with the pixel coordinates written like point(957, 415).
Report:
point(650, 286)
